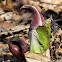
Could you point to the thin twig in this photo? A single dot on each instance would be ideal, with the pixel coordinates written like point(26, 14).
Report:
point(58, 20)
point(8, 31)
point(55, 21)
point(51, 3)
point(14, 31)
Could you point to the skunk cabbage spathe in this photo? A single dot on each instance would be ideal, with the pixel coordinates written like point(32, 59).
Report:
point(36, 17)
point(18, 47)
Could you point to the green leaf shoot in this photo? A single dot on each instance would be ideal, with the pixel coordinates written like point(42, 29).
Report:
point(34, 44)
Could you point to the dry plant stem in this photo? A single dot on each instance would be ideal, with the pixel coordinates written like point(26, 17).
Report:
point(2, 14)
point(8, 31)
point(55, 21)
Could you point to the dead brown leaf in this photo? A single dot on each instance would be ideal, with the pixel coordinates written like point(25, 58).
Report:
point(33, 57)
point(55, 5)
point(47, 4)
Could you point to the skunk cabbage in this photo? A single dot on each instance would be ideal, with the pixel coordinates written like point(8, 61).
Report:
point(40, 31)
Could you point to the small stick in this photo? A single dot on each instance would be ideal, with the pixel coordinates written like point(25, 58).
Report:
point(8, 31)
point(55, 21)
point(51, 3)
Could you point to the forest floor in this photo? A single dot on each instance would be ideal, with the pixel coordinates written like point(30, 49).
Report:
point(18, 22)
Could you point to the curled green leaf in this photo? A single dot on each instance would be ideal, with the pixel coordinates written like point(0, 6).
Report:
point(44, 38)
point(34, 44)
